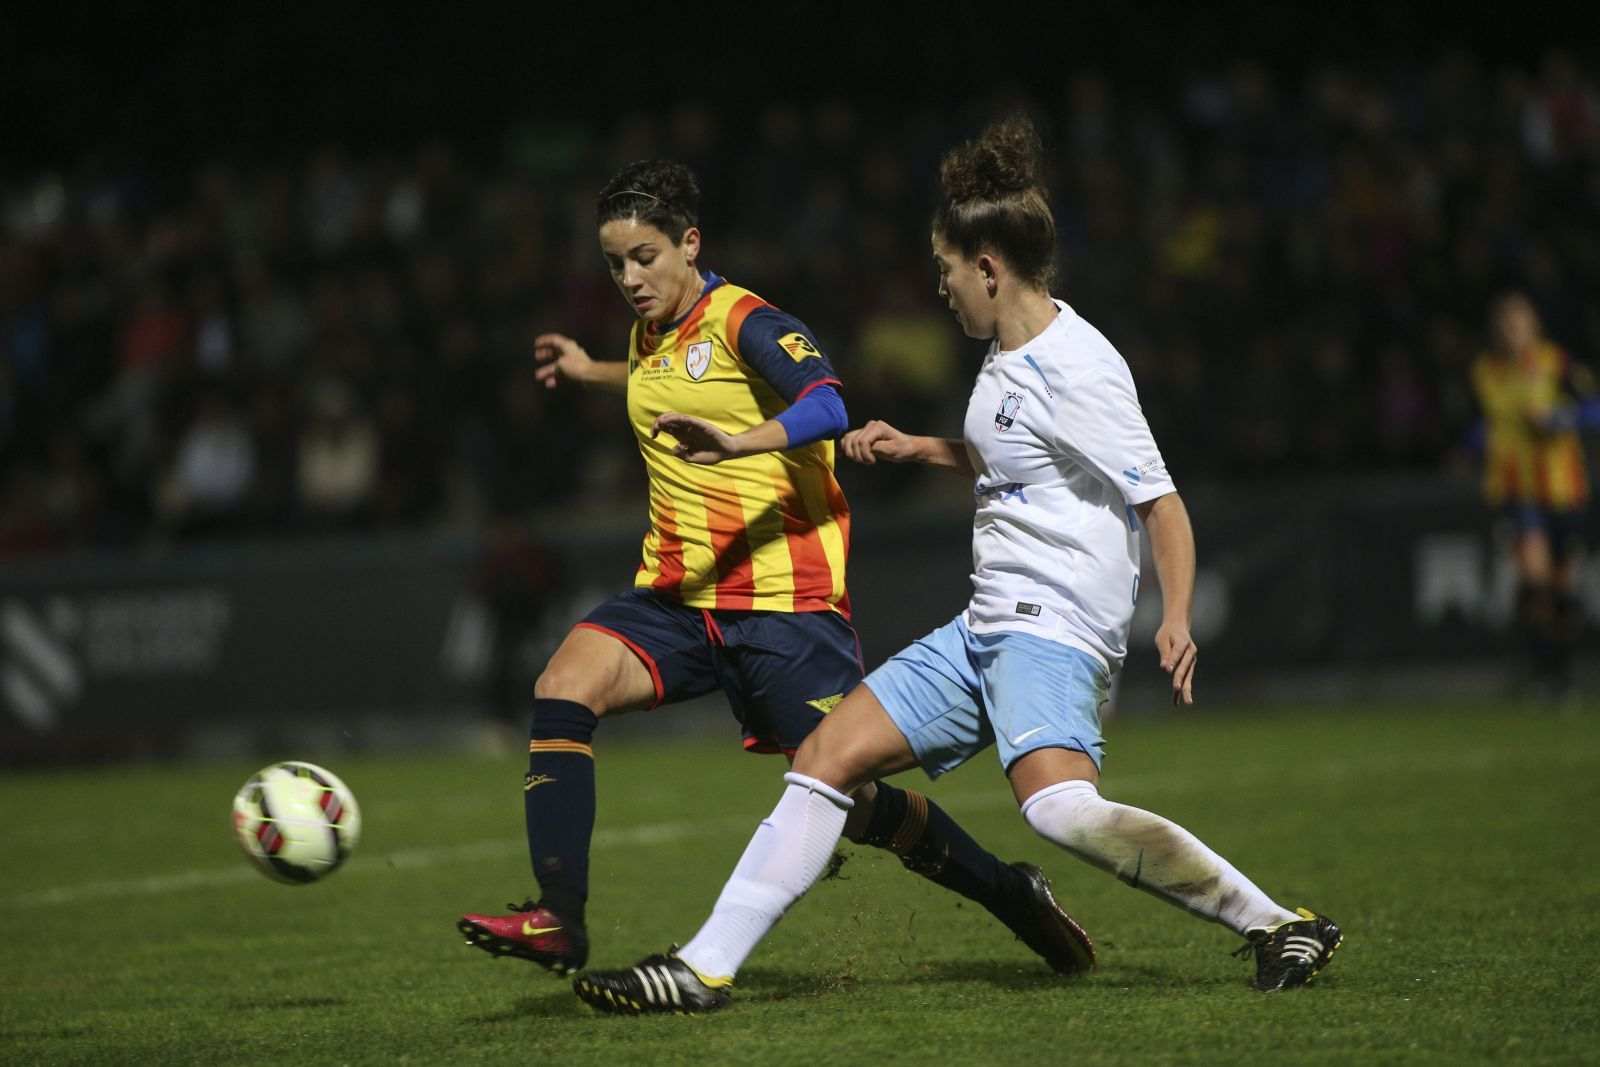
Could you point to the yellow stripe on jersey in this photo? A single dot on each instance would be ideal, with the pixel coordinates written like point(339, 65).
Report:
point(1524, 462)
point(767, 532)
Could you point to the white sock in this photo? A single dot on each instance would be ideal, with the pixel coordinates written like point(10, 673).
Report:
point(1150, 853)
point(788, 853)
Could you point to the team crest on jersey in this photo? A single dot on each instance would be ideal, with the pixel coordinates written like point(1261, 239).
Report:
point(1008, 411)
point(798, 346)
point(698, 361)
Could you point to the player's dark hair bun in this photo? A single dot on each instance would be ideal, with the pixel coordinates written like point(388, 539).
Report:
point(658, 191)
point(994, 200)
point(1007, 159)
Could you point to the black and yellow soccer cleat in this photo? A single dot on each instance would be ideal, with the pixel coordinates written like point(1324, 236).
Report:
point(532, 932)
point(1291, 955)
point(654, 984)
point(1046, 928)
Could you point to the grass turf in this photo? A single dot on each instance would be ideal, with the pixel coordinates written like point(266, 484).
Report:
point(1455, 845)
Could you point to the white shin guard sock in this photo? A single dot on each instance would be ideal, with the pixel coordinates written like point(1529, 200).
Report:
point(1150, 853)
point(788, 853)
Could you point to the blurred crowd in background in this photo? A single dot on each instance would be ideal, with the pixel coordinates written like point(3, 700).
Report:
point(1299, 276)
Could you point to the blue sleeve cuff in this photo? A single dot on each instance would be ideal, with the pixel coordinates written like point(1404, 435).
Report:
point(816, 416)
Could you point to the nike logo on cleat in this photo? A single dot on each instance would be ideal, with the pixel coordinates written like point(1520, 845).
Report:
point(530, 930)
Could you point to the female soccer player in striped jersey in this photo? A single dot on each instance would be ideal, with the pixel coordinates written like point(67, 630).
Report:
point(1065, 470)
point(741, 586)
point(1535, 478)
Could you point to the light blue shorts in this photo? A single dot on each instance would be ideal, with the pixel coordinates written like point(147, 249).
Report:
point(953, 693)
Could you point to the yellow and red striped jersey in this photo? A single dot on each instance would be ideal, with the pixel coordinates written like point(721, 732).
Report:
point(1530, 457)
point(767, 532)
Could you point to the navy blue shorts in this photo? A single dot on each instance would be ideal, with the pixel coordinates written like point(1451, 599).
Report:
point(781, 671)
point(1563, 528)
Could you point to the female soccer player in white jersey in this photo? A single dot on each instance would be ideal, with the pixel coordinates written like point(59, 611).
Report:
point(1065, 470)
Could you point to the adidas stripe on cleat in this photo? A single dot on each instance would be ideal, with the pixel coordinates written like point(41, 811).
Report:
point(662, 984)
point(532, 932)
point(1290, 955)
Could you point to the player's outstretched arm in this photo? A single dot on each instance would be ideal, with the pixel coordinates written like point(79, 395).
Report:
point(1172, 544)
point(698, 441)
point(559, 358)
point(878, 440)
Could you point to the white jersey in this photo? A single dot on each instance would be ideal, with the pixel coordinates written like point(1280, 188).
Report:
point(1062, 453)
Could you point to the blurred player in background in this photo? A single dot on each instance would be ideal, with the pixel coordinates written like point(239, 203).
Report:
point(1534, 476)
point(742, 583)
point(1066, 469)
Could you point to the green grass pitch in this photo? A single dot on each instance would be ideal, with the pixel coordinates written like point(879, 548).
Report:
point(1457, 847)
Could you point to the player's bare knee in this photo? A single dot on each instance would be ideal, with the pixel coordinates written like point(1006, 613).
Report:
point(561, 681)
point(834, 756)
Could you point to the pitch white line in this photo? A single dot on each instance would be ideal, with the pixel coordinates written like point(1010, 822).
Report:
point(404, 859)
point(992, 796)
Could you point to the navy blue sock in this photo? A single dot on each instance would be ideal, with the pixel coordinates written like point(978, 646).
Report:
point(933, 845)
point(558, 800)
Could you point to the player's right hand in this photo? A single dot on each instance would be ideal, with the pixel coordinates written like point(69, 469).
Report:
point(878, 440)
point(558, 356)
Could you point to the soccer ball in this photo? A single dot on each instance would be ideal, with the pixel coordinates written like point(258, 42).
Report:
point(296, 821)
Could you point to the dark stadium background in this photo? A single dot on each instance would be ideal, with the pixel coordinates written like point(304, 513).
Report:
point(290, 227)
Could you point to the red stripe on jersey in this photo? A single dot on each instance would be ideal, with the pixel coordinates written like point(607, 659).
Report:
point(819, 382)
point(730, 543)
point(689, 328)
point(841, 518)
point(736, 316)
point(669, 549)
point(813, 576)
point(646, 340)
point(1578, 477)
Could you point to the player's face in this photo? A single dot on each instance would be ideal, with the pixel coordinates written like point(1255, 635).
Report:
point(1516, 323)
point(964, 289)
point(657, 277)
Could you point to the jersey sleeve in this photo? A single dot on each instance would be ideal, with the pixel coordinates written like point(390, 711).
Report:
point(1101, 424)
point(780, 349)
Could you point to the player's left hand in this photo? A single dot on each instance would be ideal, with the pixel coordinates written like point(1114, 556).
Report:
point(1178, 655)
point(698, 440)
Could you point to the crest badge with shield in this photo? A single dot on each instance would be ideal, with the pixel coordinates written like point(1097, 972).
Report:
point(698, 360)
point(1008, 411)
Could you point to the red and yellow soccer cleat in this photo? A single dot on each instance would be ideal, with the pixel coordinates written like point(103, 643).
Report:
point(532, 932)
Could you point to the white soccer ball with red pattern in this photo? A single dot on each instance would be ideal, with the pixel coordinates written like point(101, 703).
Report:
point(296, 821)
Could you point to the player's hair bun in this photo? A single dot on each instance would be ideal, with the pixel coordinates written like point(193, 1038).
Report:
point(994, 199)
point(1005, 160)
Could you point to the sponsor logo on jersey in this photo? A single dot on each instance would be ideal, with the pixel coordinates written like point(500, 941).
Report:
point(1008, 411)
point(798, 346)
point(1135, 475)
point(698, 361)
point(653, 368)
point(1003, 490)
